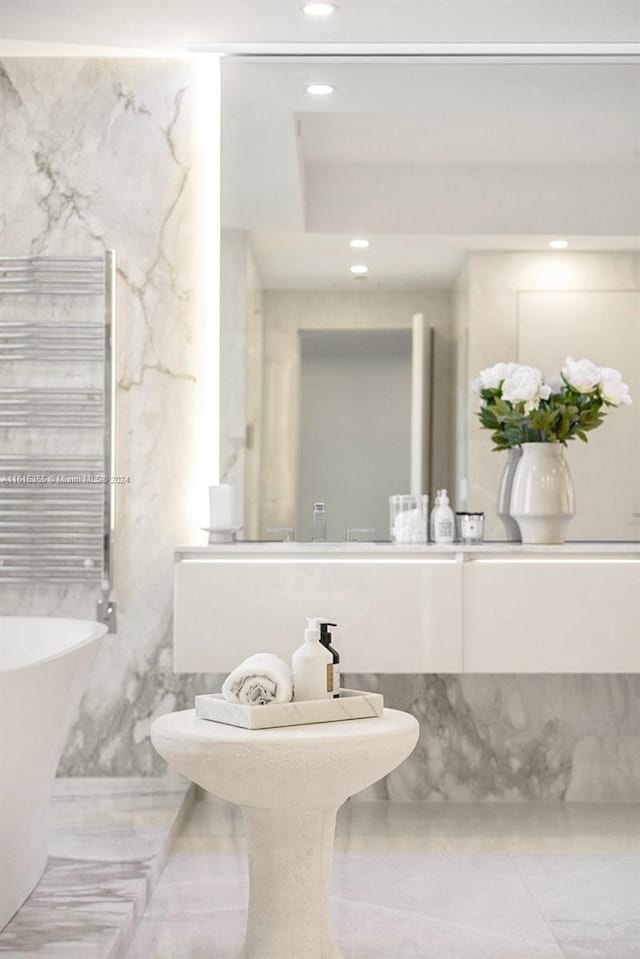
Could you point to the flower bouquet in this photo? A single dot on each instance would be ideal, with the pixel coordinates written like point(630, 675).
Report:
point(518, 406)
point(526, 413)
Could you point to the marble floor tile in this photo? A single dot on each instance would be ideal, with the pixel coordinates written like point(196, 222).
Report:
point(597, 940)
point(109, 841)
point(219, 937)
point(114, 819)
point(79, 909)
point(514, 827)
point(597, 888)
point(421, 881)
point(193, 885)
point(364, 931)
point(210, 817)
point(474, 898)
point(374, 932)
point(411, 880)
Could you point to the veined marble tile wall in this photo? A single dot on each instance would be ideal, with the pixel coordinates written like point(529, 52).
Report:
point(98, 153)
point(516, 737)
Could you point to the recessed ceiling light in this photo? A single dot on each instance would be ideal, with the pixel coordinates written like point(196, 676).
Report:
point(359, 244)
point(359, 269)
point(558, 244)
point(319, 89)
point(319, 9)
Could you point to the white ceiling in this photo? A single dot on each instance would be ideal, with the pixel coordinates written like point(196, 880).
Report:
point(431, 160)
point(277, 139)
point(171, 25)
point(448, 113)
point(489, 136)
point(322, 261)
point(300, 261)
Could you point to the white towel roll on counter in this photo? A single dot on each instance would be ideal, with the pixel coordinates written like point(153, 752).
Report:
point(258, 681)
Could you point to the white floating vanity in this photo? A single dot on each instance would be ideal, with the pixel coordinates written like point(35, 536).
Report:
point(496, 608)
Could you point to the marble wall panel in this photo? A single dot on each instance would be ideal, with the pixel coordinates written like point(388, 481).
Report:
point(99, 154)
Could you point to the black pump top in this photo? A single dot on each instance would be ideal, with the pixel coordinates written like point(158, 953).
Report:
point(325, 635)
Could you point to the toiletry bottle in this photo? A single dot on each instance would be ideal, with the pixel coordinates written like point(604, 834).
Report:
point(432, 518)
point(333, 671)
point(312, 665)
point(319, 527)
point(443, 520)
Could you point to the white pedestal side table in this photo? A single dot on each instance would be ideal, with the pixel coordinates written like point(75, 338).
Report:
point(290, 783)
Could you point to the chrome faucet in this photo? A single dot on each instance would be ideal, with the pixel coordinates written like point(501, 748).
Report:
point(287, 533)
point(354, 533)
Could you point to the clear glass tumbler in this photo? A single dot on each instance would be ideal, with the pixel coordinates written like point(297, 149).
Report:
point(319, 523)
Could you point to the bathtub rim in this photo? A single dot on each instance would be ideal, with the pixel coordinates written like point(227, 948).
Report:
point(97, 631)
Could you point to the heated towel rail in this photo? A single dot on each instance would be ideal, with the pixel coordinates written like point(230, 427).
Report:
point(57, 415)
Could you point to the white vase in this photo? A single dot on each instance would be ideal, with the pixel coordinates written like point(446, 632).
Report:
point(542, 496)
point(503, 506)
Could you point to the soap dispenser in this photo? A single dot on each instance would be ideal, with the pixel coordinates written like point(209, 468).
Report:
point(333, 675)
point(443, 519)
point(312, 665)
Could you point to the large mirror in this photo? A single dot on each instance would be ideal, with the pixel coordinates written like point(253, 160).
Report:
point(386, 234)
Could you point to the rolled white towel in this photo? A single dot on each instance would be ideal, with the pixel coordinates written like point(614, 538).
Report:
point(258, 681)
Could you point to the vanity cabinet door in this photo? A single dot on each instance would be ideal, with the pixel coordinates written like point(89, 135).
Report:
point(552, 617)
point(396, 616)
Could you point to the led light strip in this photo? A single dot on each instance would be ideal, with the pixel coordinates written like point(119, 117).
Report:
point(206, 452)
point(363, 559)
point(556, 559)
point(323, 561)
point(471, 51)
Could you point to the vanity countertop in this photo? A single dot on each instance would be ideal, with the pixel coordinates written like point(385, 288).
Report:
point(456, 552)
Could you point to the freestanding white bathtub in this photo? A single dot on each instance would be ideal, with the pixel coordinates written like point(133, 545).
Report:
point(44, 664)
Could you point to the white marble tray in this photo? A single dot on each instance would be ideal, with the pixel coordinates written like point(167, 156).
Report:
point(352, 704)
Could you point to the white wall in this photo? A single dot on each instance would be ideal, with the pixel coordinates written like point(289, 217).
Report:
point(255, 350)
point(508, 293)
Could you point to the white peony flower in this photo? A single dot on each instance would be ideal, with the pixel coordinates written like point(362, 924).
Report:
point(545, 391)
point(524, 385)
point(492, 377)
point(613, 390)
point(583, 375)
point(556, 385)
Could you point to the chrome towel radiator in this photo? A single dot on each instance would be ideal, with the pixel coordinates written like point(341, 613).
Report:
point(57, 408)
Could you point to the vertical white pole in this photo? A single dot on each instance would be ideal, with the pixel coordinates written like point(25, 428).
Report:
point(421, 347)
